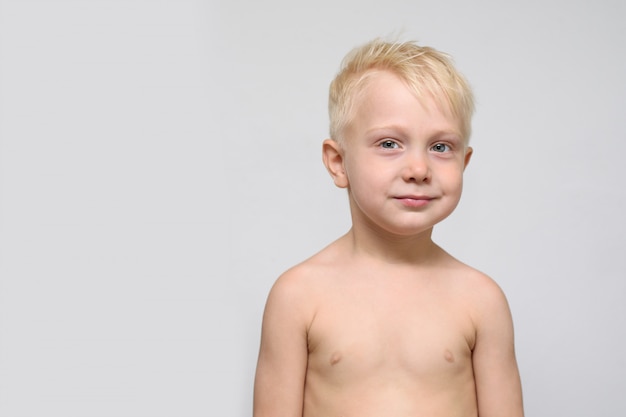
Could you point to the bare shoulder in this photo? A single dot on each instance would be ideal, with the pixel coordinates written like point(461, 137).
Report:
point(481, 284)
point(297, 289)
point(288, 295)
point(305, 276)
point(484, 294)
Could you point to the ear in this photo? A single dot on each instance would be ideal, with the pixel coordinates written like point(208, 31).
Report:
point(332, 155)
point(468, 155)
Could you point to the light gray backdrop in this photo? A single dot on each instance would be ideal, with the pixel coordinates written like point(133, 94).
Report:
point(160, 167)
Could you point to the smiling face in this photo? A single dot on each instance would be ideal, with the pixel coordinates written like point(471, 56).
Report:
point(402, 159)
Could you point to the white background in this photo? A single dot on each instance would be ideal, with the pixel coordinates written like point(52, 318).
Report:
point(160, 167)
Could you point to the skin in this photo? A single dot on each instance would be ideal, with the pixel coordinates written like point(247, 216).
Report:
point(383, 322)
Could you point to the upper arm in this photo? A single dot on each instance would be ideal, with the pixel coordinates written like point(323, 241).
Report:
point(281, 368)
point(498, 385)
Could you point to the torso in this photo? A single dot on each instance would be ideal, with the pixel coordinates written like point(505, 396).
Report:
point(389, 341)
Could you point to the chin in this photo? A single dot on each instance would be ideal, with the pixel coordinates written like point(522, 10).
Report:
point(408, 231)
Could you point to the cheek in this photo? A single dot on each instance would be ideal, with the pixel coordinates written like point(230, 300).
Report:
point(369, 175)
point(452, 180)
point(356, 171)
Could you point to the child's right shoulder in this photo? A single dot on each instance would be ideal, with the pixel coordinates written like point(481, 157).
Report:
point(304, 281)
point(304, 276)
point(297, 293)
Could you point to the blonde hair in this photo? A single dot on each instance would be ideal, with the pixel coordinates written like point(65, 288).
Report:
point(425, 70)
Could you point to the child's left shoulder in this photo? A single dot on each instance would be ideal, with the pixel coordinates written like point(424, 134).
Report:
point(483, 292)
point(479, 280)
point(487, 300)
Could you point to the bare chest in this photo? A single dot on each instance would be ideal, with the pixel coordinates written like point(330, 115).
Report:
point(413, 332)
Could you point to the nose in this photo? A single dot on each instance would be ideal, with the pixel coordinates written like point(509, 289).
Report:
point(416, 168)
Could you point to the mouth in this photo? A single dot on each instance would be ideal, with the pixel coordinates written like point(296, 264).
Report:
point(414, 200)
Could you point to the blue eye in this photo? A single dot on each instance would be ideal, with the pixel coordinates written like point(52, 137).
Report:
point(388, 144)
point(440, 147)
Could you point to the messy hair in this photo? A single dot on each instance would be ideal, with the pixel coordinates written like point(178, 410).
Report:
point(425, 70)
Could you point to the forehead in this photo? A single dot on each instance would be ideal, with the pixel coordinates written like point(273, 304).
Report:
point(386, 99)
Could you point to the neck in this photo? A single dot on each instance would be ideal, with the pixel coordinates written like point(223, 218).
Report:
point(393, 249)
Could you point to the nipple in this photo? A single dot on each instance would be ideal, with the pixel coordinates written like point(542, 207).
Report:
point(335, 358)
point(448, 356)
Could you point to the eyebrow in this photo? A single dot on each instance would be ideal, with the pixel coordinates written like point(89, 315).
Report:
point(399, 128)
point(386, 128)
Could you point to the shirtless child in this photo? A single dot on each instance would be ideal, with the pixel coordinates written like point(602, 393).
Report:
point(383, 322)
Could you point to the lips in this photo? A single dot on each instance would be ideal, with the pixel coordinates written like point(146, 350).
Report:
point(414, 197)
point(414, 200)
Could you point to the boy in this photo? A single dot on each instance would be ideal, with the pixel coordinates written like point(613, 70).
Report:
point(383, 322)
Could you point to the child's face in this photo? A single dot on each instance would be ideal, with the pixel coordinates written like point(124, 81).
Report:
point(402, 161)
